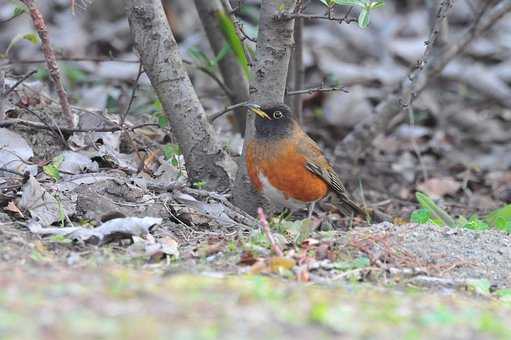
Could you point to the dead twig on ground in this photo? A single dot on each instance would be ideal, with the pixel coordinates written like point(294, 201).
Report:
point(51, 60)
point(267, 231)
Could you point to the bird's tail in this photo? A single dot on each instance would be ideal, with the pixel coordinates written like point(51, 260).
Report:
point(349, 207)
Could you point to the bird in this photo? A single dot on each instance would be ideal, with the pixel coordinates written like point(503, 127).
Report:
point(288, 167)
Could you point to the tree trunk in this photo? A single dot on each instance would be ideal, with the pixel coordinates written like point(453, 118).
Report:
point(205, 160)
point(268, 84)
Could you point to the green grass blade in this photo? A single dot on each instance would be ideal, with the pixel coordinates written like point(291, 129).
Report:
point(502, 214)
point(230, 34)
point(436, 212)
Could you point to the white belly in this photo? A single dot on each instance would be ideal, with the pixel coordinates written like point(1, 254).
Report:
point(276, 197)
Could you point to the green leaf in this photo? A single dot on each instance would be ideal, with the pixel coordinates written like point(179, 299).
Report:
point(223, 52)
point(52, 169)
point(325, 2)
point(350, 3)
point(171, 150)
point(171, 153)
point(504, 294)
point(19, 10)
point(32, 37)
point(200, 57)
point(376, 4)
point(163, 120)
point(479, 286)
point(199, 185)
point(501, 216)
point(74, 75)
point(42, 74)
point(421, 216)
point(475, 223)
point(436, 212)
point(229, 30)
point(363, 18)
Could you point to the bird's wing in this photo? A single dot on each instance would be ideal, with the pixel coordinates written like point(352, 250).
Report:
point(316, 163)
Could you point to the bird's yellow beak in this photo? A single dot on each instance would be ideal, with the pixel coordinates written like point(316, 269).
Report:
point(257, 110)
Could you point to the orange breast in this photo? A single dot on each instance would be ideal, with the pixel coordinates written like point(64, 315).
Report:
point(285, 169)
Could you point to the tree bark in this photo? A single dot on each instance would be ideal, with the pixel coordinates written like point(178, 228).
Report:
point(205, 160)
point(230, 68)
point(268, 84)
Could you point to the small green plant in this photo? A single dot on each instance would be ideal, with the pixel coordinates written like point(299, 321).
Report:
point(365, 5)
point(31, 37)
point(199, 185)
point(171, 152)
point(52, 169)
point(161, 117)
point(203, 61)
point(430, 212)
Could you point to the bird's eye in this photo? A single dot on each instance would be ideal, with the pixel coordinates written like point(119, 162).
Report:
point(277, 115)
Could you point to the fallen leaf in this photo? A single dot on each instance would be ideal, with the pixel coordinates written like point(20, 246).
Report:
point(11, 206)
point(247, 258)
point(439, 187)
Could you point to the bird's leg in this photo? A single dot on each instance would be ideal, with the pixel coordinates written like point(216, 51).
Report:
point(311, 209)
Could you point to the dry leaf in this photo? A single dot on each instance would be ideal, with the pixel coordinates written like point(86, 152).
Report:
point(439, 187)
point(11, 206)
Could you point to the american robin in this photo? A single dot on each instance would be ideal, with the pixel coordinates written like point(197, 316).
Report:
point(287, 166)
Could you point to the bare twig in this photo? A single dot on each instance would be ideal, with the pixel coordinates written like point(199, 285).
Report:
point(25, 77)
point(299, 70)
point(317, 89)
point(51, 61)
point(266, 229)
point(3, 92)
point(66, 130)
point(71, 59)
point(212, 117)
point(290, 16)
point(133, 92)
point(12, 172)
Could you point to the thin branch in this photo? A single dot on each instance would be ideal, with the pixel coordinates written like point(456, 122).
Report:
point(12, 172)
point(212, 117)
point(290, 16)
point(133, 92)
point(299, 70)
point(217, 80)
point(68, 131)
point(266, 228)
point(71, 59)
point(51, 61)
point(317, 89)
point(25, 77)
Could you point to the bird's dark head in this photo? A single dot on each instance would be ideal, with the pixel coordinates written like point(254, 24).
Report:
point(272, 119)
